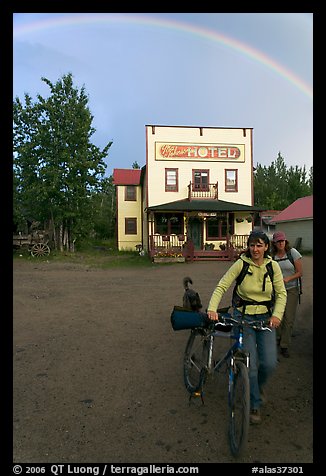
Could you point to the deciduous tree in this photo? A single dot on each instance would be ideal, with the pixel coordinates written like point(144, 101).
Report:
point(56, 166)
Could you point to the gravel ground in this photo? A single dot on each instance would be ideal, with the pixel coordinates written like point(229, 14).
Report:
point(98, 371)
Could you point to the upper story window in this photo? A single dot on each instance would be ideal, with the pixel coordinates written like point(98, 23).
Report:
point(231, 180)
point(171, 180)
point(130, 193)
point(200, 179)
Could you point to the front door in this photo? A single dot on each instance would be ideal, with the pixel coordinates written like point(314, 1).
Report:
point(195, 232)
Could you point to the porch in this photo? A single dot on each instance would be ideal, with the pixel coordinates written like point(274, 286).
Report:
point(178, 245)
point(199, 228)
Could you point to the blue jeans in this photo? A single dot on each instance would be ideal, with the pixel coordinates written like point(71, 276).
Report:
point(262, 349)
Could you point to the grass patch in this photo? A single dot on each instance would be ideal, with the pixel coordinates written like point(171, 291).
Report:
point(101, 254)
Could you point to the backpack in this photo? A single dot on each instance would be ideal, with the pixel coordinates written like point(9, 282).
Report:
point(237, 301)
point(290, 258)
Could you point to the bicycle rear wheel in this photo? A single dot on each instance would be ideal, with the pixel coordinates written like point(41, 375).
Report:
point(239, 407)
point(195, 361)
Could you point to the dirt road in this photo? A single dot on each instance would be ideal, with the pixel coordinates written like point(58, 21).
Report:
point(98, 371)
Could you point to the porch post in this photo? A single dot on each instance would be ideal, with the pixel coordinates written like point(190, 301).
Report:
point(227, 231)
point(185, 224)
point(229, 248)
point(150, 232)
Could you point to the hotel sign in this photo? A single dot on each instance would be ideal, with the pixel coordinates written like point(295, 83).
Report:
point(185, 151)
point(207, 214)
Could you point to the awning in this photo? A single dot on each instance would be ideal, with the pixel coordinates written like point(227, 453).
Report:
point(204, 206)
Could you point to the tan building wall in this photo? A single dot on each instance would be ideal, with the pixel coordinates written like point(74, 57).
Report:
point(128, 209)
point(144, 218)
point(211, 149)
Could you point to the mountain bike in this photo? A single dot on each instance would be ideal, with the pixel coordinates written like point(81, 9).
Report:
point(198, 364)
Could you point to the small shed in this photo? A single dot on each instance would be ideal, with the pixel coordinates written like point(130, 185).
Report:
point(264, 221)
point(297, 223)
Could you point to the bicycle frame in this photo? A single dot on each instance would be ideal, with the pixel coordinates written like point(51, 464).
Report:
point(198, 357)
point(198, 363)
point(236, 350)
point(229, 355)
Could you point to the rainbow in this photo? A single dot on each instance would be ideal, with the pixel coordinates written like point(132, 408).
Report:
point(187, 28)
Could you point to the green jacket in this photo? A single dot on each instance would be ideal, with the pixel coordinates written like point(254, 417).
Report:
point(251, 287)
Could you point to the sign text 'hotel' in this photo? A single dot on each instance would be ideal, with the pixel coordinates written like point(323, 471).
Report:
point(173, 151)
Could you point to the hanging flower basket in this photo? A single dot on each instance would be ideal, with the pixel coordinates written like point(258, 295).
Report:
point(249, 219)
point(239, 220)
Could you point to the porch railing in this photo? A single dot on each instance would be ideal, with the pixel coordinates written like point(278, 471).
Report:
point(239, 242)
point(168, 243)
point(175, 244)
point(208, 192)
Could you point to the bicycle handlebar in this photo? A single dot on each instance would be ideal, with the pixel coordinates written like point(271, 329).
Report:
point(225, 319)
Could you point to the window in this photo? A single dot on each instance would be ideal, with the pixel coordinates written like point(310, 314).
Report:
point(216, 227)
point(231, 180)
point(167, 223)
point(130, 226)
point(200, 180)
point(171, 180)
point(130, 193)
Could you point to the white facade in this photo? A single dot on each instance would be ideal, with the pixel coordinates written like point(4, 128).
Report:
point(212, 149)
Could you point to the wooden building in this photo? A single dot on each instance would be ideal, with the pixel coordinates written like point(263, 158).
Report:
point(194, 197)
point(296, 221)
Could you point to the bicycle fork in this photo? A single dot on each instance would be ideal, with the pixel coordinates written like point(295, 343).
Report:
point(239, 354)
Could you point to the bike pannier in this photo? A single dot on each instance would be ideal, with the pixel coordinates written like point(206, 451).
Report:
point(182, 318)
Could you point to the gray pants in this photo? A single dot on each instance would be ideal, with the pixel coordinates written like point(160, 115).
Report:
point(284, 331)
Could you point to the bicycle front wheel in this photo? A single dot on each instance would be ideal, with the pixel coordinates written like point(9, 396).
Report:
point(195, 361)
point(239, 407)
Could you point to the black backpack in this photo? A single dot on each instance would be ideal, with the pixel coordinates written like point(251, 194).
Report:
point(290, 258)
point(237, 301)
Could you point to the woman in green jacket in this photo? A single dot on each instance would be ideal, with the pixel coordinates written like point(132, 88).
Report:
point(256, 288)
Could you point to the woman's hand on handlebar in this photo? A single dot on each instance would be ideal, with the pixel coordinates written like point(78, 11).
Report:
point(212, 315)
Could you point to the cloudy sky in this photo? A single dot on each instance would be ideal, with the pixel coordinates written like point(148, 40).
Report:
point(183, 69)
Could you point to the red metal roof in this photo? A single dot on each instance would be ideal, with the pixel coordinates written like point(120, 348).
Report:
point(301, 209)
point(126, 176)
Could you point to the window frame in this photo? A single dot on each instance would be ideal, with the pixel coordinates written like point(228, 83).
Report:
point(168, 230)
point(227, 188)
point(171, 188)
point(201, 188)
point(222, 223)
point(129, 221)
point(134, 194)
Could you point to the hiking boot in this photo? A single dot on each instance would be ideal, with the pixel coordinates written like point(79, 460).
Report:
point(285, 352)
point(255, 417)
